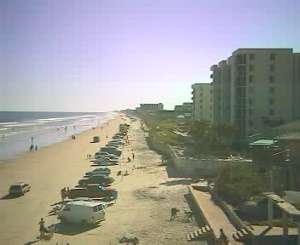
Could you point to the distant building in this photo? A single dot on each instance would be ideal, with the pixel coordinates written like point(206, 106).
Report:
point(151, 107)
point(221, 92)
point(202, 102)
point(185, 107)
point(255, 89)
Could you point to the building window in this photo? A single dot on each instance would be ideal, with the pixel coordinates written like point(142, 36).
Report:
point(241, 59)
point(251, 67)
point(272, 90)
point(250, 79)
point(271, 101)
point(271, 112)
point(250, 112)
point(250, 123)
point(271, 79)
point(272, 67)
point(250, 101)
point(251, 56)
point(272, 56)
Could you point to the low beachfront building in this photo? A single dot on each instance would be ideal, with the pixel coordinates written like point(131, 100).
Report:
point(202, 96)
point(150, 107)
point(185, 107)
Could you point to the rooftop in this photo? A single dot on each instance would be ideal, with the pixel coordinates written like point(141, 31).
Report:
point(289, 50)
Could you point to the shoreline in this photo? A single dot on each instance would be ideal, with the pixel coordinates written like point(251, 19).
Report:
point(16, 148)
point(47, 171)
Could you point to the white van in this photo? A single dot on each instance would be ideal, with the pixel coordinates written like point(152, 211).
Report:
point(82, 212)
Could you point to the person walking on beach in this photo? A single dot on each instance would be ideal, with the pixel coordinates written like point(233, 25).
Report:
point(132, 155)
point(36, 148)
point(223, 240)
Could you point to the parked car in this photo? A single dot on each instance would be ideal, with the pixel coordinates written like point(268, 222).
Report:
point(111, 150)
point(18, 189)
point(96, 139)
point(104, 163)
point(98, 170)
point(103, 154)
point(94, 191)
point(82, 213)
point(107, 157)
point(91, 173)
point(96, 179)
point(105, 160)
point(113, 144)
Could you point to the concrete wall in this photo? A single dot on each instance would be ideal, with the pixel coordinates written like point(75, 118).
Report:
point(191, 167)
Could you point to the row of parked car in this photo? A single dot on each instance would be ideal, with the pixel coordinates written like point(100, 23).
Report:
point(89, 198)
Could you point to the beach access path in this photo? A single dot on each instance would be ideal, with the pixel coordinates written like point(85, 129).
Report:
point(146, 196)
point(215, 216)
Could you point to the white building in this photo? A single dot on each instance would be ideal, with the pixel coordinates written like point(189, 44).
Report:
point(151, 107)
point(255, 89)
point(202, 102)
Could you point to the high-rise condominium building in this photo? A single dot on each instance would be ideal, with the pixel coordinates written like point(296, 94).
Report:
point(202, 102)
point(255, 89)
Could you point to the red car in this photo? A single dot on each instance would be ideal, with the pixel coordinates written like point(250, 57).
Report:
point(94, 191)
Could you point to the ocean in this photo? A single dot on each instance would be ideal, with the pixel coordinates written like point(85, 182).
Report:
point(19, 130)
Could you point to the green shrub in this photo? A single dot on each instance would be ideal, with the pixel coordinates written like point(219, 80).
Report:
point(237, 183)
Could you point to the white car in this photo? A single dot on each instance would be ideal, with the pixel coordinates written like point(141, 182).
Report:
point(82, 213)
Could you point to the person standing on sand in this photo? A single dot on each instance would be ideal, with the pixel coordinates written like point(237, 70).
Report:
point(43, 229)
point(63, 194)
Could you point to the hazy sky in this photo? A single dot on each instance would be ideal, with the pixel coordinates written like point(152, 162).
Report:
point(93, 55)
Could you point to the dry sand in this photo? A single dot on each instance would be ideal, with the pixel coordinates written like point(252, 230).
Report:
point(143, 206)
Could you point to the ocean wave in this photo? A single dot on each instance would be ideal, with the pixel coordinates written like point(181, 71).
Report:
point(23, 124)
point(8, 123)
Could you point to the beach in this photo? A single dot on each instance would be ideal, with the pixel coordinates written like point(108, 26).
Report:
point(145, 198)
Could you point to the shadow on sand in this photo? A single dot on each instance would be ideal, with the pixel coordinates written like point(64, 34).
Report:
point(8, 196)
point(194, 209)
point(32, 242)
point(177, 182)
point(71, 230)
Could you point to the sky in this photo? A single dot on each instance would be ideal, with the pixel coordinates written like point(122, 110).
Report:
point(102, 55)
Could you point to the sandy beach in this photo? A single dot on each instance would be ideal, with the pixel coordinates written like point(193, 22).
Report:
point(146, 195)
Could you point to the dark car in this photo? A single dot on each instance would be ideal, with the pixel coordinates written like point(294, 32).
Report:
point(105, 171)
point(96, 179)
point(111, 150)
point(18, 189)
point(103, 154)
point(94, 191)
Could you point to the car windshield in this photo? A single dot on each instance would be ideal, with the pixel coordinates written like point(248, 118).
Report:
point(16, 187)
